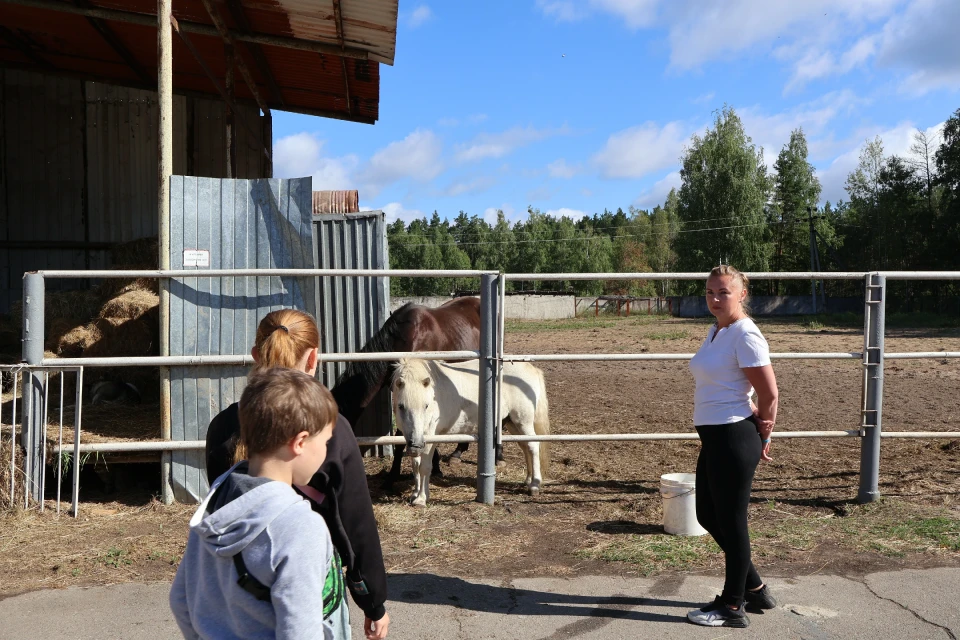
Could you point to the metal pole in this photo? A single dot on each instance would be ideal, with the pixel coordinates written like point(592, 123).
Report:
point(873, 330)
point(32, 433)
point(165, 170)
point(229, 133)
point(486, 462)
point(813, 264)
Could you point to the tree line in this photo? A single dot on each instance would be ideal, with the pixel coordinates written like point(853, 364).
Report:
point(902, 213)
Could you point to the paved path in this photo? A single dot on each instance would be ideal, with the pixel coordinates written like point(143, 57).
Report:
point(917, 604)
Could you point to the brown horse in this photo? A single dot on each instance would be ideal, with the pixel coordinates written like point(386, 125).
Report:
point(454, 326)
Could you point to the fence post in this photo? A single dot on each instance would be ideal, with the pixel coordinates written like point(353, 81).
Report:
point(870, 425)
point(486, 463)
point(32, 394)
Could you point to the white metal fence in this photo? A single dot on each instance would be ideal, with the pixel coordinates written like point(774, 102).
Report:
point(492, 355)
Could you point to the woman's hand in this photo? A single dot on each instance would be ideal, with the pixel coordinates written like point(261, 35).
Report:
point(765, 410)
point(765, 428)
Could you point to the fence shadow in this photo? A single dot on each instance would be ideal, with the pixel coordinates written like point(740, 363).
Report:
point(461, 594)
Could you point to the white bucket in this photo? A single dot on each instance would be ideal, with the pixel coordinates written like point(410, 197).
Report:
point(680, 504)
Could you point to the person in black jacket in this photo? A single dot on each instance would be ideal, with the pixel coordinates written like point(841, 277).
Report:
point(338, 491)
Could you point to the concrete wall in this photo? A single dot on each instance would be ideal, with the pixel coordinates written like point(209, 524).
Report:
point(696, 306)
point(531, 307)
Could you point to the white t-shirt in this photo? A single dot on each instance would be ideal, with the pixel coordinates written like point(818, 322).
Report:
point(723, 391)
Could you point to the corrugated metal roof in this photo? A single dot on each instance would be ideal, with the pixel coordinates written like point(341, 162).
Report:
point(42, 39)
point(335, 202)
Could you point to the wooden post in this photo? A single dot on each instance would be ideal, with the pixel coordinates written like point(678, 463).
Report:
point(164, 171)
point(596, 308)
point(229, 131)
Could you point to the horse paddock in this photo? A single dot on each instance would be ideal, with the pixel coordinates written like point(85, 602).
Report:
point(600, 511)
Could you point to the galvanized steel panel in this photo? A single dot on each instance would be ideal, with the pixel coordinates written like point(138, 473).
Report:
point(256, 224)
point(352, 310)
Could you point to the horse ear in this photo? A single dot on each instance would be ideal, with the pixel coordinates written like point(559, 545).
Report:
point(425, 382)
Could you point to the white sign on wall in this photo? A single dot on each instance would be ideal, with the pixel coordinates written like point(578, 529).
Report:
point(196, 258)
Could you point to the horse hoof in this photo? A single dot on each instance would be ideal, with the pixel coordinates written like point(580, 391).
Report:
point(452, 460)
point(534, 491)
point(501, 463)
point(415, 502)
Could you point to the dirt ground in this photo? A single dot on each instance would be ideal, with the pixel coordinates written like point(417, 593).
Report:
point(601, 512)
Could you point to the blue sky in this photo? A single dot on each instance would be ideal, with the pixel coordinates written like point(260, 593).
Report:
point(573, 106)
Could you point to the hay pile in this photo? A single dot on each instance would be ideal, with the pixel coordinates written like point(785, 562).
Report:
point(120, 317)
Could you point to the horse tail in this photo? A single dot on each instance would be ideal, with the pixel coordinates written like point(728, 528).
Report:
point(541, 424)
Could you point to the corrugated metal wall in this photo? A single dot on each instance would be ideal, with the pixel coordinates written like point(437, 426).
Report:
point(78, 169)
point(352, 310)
point(258, 224)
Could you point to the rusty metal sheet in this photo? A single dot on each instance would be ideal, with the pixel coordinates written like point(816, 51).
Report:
point(335, 202)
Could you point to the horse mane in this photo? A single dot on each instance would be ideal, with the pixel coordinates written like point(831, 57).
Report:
point(416, 368)
point(373, 373)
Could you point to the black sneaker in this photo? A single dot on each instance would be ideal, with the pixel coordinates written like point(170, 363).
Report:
point(718, 614)
point(760, 599)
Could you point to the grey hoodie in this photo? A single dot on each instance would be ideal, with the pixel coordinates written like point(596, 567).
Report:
point(285, 545)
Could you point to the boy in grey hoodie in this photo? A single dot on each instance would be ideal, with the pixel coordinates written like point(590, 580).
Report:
point(255, 566)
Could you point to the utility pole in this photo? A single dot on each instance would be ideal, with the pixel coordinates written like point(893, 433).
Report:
point(814, 262)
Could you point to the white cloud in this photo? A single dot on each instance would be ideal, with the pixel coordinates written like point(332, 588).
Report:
point(509, 212)
point(772, 131)
point(475, 185)
point(896, 141)
point(704, 98)
point(560, 169)
point(924, 42)
point(497, 145)
point(419, 15)
point(634, 13)
point(395, 211)
point(416, 157)
point(700, 32)
point(657, 194)
point(301, 155)
point(564, 212)
point(640, 150)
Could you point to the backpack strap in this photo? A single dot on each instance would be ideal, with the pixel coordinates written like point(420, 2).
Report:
point(248, 582)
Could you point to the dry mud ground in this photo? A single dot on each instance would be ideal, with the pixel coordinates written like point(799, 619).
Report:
point(602, 511)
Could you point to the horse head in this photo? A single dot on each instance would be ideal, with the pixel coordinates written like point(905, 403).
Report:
point(414, 403)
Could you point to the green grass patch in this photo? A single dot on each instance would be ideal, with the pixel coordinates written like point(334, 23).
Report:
point(890, 527)
point(677, 334)
point(654, 553)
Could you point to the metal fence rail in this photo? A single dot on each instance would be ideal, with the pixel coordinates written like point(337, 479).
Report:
point(492, 355)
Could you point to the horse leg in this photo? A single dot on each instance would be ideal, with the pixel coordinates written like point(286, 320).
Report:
point(422, 493)
point(498, 454)
point(534, 470)
point(394, 473)
point(461, 448)
point(416, 462)
point(436, 471)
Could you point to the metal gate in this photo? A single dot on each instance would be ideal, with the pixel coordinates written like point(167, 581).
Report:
point(228, 224)
point(352, 310)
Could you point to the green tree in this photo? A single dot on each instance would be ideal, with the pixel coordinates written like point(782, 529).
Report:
point(724, 188)
point(796, 189)
point(863, 187)
point(947, 160)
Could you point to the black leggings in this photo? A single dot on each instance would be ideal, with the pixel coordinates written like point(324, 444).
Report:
point(729, 456)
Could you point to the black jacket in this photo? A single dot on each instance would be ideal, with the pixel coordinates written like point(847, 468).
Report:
point(346, 507)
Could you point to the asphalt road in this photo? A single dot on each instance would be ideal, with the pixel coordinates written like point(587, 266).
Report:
point(917, 604)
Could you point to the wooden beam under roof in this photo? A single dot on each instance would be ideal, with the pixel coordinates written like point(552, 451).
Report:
point(26, 47)
point(338, 18)
point(115, 43)
point(228, 40)
point(239, 16)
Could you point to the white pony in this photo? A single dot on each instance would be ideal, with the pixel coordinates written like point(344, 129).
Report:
point(436, 398)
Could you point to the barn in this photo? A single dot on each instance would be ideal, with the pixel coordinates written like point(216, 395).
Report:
point(104, 104)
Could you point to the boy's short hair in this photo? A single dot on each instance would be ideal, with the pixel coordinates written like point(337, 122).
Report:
point(278, 404)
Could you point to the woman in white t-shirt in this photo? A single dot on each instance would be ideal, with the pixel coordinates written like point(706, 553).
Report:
point(734, 432)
